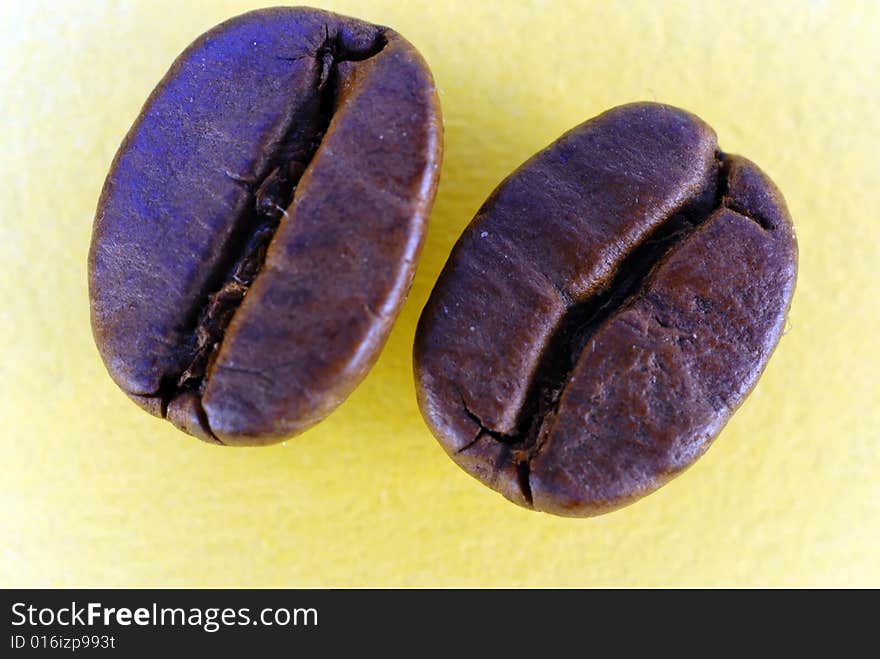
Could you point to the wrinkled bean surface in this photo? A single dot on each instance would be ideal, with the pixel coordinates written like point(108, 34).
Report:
point(609, 307)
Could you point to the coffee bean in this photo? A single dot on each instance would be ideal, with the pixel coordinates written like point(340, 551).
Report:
point(609, 307)
point(259, 228)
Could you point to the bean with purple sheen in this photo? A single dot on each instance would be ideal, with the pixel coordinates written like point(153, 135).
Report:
point(260, 225)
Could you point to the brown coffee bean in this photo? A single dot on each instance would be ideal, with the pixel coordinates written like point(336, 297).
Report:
point(259, 227)
point(605, 312)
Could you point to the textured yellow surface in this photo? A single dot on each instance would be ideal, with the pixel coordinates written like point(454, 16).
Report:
point(95, 492)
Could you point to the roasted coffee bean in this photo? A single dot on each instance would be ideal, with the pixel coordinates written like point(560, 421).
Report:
point(608, 308)
point(259, 228)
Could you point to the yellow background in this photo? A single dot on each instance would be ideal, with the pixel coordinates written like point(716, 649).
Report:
point(95, 492)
